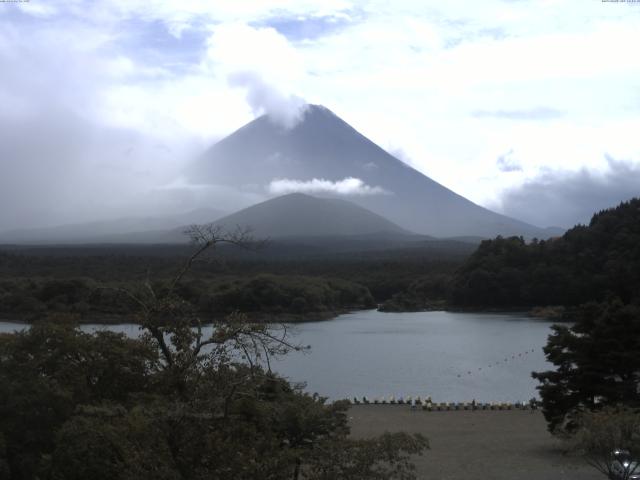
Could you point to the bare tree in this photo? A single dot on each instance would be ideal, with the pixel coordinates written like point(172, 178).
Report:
point(176, 329)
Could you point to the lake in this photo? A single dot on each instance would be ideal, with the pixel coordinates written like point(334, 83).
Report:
point(448, 356)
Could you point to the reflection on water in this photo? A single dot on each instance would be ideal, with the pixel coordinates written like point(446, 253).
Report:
point(449, 356)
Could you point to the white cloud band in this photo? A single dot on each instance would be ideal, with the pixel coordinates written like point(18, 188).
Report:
point(346, 186)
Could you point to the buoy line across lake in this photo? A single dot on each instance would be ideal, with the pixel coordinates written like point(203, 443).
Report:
point(427, 405)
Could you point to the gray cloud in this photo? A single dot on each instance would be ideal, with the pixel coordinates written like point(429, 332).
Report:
point(60, 160)
point(538, 113)
point(226, 198)
point(57, 167)
point(561, 198)
point(506, 163)
point(284, 110)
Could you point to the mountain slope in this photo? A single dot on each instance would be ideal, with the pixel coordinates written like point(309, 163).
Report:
point(298, 215)
point(322, 146)
point(121, 230)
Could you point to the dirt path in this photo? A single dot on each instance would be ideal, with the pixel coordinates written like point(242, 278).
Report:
point(488, 445)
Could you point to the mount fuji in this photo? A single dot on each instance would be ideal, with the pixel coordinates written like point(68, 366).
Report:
point(324, 156)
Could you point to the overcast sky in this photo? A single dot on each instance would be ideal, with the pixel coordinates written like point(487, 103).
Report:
point(528, 107)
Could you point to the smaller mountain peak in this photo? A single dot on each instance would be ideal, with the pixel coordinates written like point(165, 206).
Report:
point(301, 215)
point(294, 195)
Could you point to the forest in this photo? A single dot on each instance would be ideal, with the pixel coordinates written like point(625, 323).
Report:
point(86, 280)
point(173, 403)
point(62, 405)
point(588, 263)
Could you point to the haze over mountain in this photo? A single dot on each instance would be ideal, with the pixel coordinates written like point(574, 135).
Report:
point(325, 156)
point(326, 223)
point(321, 155)
point(299, 215)
point(122, 230)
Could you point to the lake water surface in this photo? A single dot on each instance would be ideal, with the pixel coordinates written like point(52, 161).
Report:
point(448, 356)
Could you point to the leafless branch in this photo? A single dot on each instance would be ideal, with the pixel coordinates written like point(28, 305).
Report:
point(208, 236)
point(164, 314)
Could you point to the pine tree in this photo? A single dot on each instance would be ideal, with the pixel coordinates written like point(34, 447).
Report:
point(597, 363)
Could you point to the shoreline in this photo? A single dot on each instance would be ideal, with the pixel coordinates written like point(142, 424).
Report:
point(256, 317)
point(275, 318)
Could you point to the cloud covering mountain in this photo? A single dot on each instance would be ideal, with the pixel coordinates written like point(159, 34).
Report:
point(322, 154)
point(101, 107)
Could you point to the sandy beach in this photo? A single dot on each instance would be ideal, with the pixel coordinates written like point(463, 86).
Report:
point(490, 445)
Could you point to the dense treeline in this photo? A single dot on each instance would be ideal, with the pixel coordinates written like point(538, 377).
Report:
point(427, 292)
point(101, 406)
point(134, 262)
point(593, 269)
point(277, 294)
point(174, 403)
point(31, 298)
point(85, 280)
point(588, 263)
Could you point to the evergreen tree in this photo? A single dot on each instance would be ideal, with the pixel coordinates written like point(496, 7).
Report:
point(597, 363)
point(588, 263)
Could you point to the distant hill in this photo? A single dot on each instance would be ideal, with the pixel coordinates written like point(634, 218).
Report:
point(299, 215)
point(159, 229)
point(322, 146)
point(587, 263)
